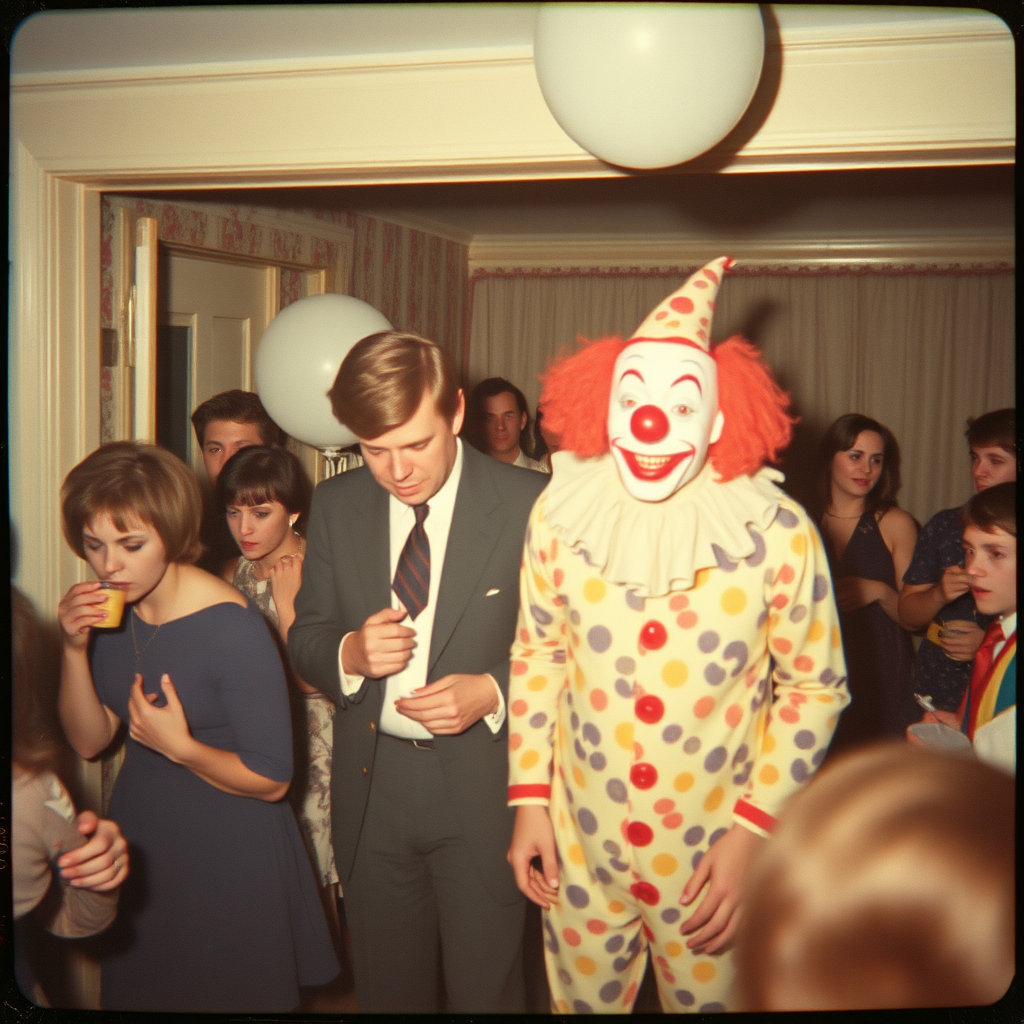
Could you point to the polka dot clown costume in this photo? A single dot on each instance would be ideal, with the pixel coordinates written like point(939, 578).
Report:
point(678, 670)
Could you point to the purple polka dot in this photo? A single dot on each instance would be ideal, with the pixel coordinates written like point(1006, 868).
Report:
point(696, 859)
point(692, 745)
point(786, 518)
point(565, 976)
point(616, 790)
point(741, 753)
point(574, 617)
point(670, 915)
point(827, 676)
point(724, 562)
point(672, 733)
point(715, 759)
point(592, 734)
point(537, 720)
point(781, 675)
point(574, 719)
point(599, 638)
point(580, 752)
point(614, 944)
point(714, 1007)
point(581, 1006)
point(625, 665)
point(611, 847)
point(540, 615)
point(684, 997)
point(619, 865)
point(610, 991)
point(708, 641)
point(762, 618)
point(693, 835)
point(714, 674)
point(819, 756)
point(798, 613)
point(740, 779)
point(598, 761)
point(603, 876)
point(620, 963)
point(577, 896)
point(587, 821)
point(799, 770)
point(558, 657)
point(804, 739)
point(624, 688)
point(760, 548)
point(736, 650)
point(716, 835)
point(820, 589)
point(635, 601)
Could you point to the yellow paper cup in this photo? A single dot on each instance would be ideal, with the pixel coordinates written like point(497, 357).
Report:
point(114, 606)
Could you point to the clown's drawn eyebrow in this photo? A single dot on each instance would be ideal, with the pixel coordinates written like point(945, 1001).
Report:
point(688, 376)
point(635, 373)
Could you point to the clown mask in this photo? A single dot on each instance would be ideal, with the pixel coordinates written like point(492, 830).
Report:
point(662, 416)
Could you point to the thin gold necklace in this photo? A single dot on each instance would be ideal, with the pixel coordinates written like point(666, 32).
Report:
point(135, 644)
point(832, 515)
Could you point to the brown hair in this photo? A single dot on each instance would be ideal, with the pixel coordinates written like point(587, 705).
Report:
point(889, 883)
point(236, 407)
point(993, 508)
point(994, 429)
point(134, 481)
point(381, 382)
point(256, 475)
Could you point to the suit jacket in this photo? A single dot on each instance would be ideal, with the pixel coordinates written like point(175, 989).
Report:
point(346, 578)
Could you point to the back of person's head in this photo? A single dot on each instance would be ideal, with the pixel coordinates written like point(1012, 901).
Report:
point(236, 407)
point(993, 430)
point(889, 883)
point(841, 437)
point(381, 383)
point(993, 508)
point(135, 482)
point(255, 476)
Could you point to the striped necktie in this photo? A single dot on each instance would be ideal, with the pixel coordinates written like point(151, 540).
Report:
point(412, 576)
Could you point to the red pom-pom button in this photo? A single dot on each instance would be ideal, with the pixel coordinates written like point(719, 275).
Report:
point(653, 635)
point(639, 834)
point(645, 893)
point(650, 709)
point(643, 775)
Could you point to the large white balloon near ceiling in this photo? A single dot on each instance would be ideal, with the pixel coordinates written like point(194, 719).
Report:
point(298, 358)
point(648, 85)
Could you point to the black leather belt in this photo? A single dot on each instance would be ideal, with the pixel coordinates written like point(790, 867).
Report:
point(418, 744)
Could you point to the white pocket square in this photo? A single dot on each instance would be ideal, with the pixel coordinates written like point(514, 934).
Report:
point(493, 591)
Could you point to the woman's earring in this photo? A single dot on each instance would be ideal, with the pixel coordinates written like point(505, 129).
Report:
point(292, 520)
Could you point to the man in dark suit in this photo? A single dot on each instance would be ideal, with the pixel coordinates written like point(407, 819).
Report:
point(405, 617)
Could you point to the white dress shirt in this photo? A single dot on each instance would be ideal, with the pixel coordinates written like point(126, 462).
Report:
point(438, 524)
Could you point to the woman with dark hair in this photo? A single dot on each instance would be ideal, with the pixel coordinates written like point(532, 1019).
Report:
point(220, 912)
point(869, 541)
point(265, 495)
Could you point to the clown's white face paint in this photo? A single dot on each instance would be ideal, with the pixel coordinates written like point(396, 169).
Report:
point(662, 416)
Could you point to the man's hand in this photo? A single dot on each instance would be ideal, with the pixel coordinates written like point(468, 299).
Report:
point(954, 582)
point(452, 704)
point(380, 647)
point(102, 863)
point(961, 639)
point(533, 836)
point(723, 867)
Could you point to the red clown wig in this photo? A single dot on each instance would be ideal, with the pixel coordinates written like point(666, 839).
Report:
point(757, 426)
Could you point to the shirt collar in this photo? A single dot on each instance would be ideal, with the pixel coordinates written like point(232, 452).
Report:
point(1009, 624)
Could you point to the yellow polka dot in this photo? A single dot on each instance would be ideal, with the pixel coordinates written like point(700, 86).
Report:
point(798, 544)
point(704, 971)
point(616, 907)
point(816, 631)
point(683, 782)
point(540, 583)
point(579, 679)
point(537, 683)
point(674, 673)
point(664, 864)
point(733, 601)
point(594, 590)
point(585, 965)
point(577, 776)
point(576, 853)
point(769, 744)
point(624, 735)
point(703, 575)
point(529, 759)
point(837, 638)
point(769, 774)
point(824, 698)
point(673, 948)
point(714, 799)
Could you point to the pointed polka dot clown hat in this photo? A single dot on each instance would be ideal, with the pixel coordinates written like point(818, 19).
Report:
point(685, 316)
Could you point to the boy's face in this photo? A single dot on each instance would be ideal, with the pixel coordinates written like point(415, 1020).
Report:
point(991, 563)
point(990, 466)
point(221, 439)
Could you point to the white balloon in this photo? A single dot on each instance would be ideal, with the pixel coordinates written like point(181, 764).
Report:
point(648, 85)
point(297, 360)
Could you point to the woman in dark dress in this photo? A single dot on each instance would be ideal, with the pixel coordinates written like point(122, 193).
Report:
point(869, 541)
point(221, 911)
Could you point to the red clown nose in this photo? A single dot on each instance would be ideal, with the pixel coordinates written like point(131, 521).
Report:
point(649, 424)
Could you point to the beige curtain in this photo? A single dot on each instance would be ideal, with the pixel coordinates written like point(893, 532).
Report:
point(919, 351)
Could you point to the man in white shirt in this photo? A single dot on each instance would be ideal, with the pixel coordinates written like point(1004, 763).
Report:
point(405, 618)
point(500, 419)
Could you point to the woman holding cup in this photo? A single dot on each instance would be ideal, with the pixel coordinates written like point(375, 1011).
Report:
point(222, 912)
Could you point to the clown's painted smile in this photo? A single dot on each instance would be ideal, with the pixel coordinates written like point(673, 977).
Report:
point(652, 467)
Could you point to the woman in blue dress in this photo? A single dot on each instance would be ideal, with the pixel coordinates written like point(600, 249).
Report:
point(869, 541)
point(221, 911)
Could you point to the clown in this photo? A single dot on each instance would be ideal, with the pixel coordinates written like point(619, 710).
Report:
point(677, 671)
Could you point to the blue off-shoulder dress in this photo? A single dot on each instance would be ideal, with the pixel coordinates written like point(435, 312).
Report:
point(220, 912)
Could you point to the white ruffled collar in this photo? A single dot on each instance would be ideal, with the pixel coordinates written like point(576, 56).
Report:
point(656, 547)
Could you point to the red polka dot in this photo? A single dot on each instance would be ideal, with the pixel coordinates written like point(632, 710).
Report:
point(648, 932)
point(681, 304)
point(788, 714)
point(780, 601)
point(733, 715)
point(524, 638)
point(598, 700)
point(558, 576)
point(782, 645)
point(798, 698)
point(672, 820)
point(596, 927)
point(700, 284)
point(653, 635)
point(704, 707)
point(711, 275)
point(519, 668)
point(515, 741)
point(704, 321)
point(663, 806)
point(804, 663)
point(638, 752)
point(645, 893)
point(711, 305)
point(519, 707)
point(687, 619)
point(786, 574)
point(643, 776)
point(571, 936)
point(661, 315)
point(543, 555)
point(627, 999)
point(650, 709)
point(639, 834)
point(677, 602)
